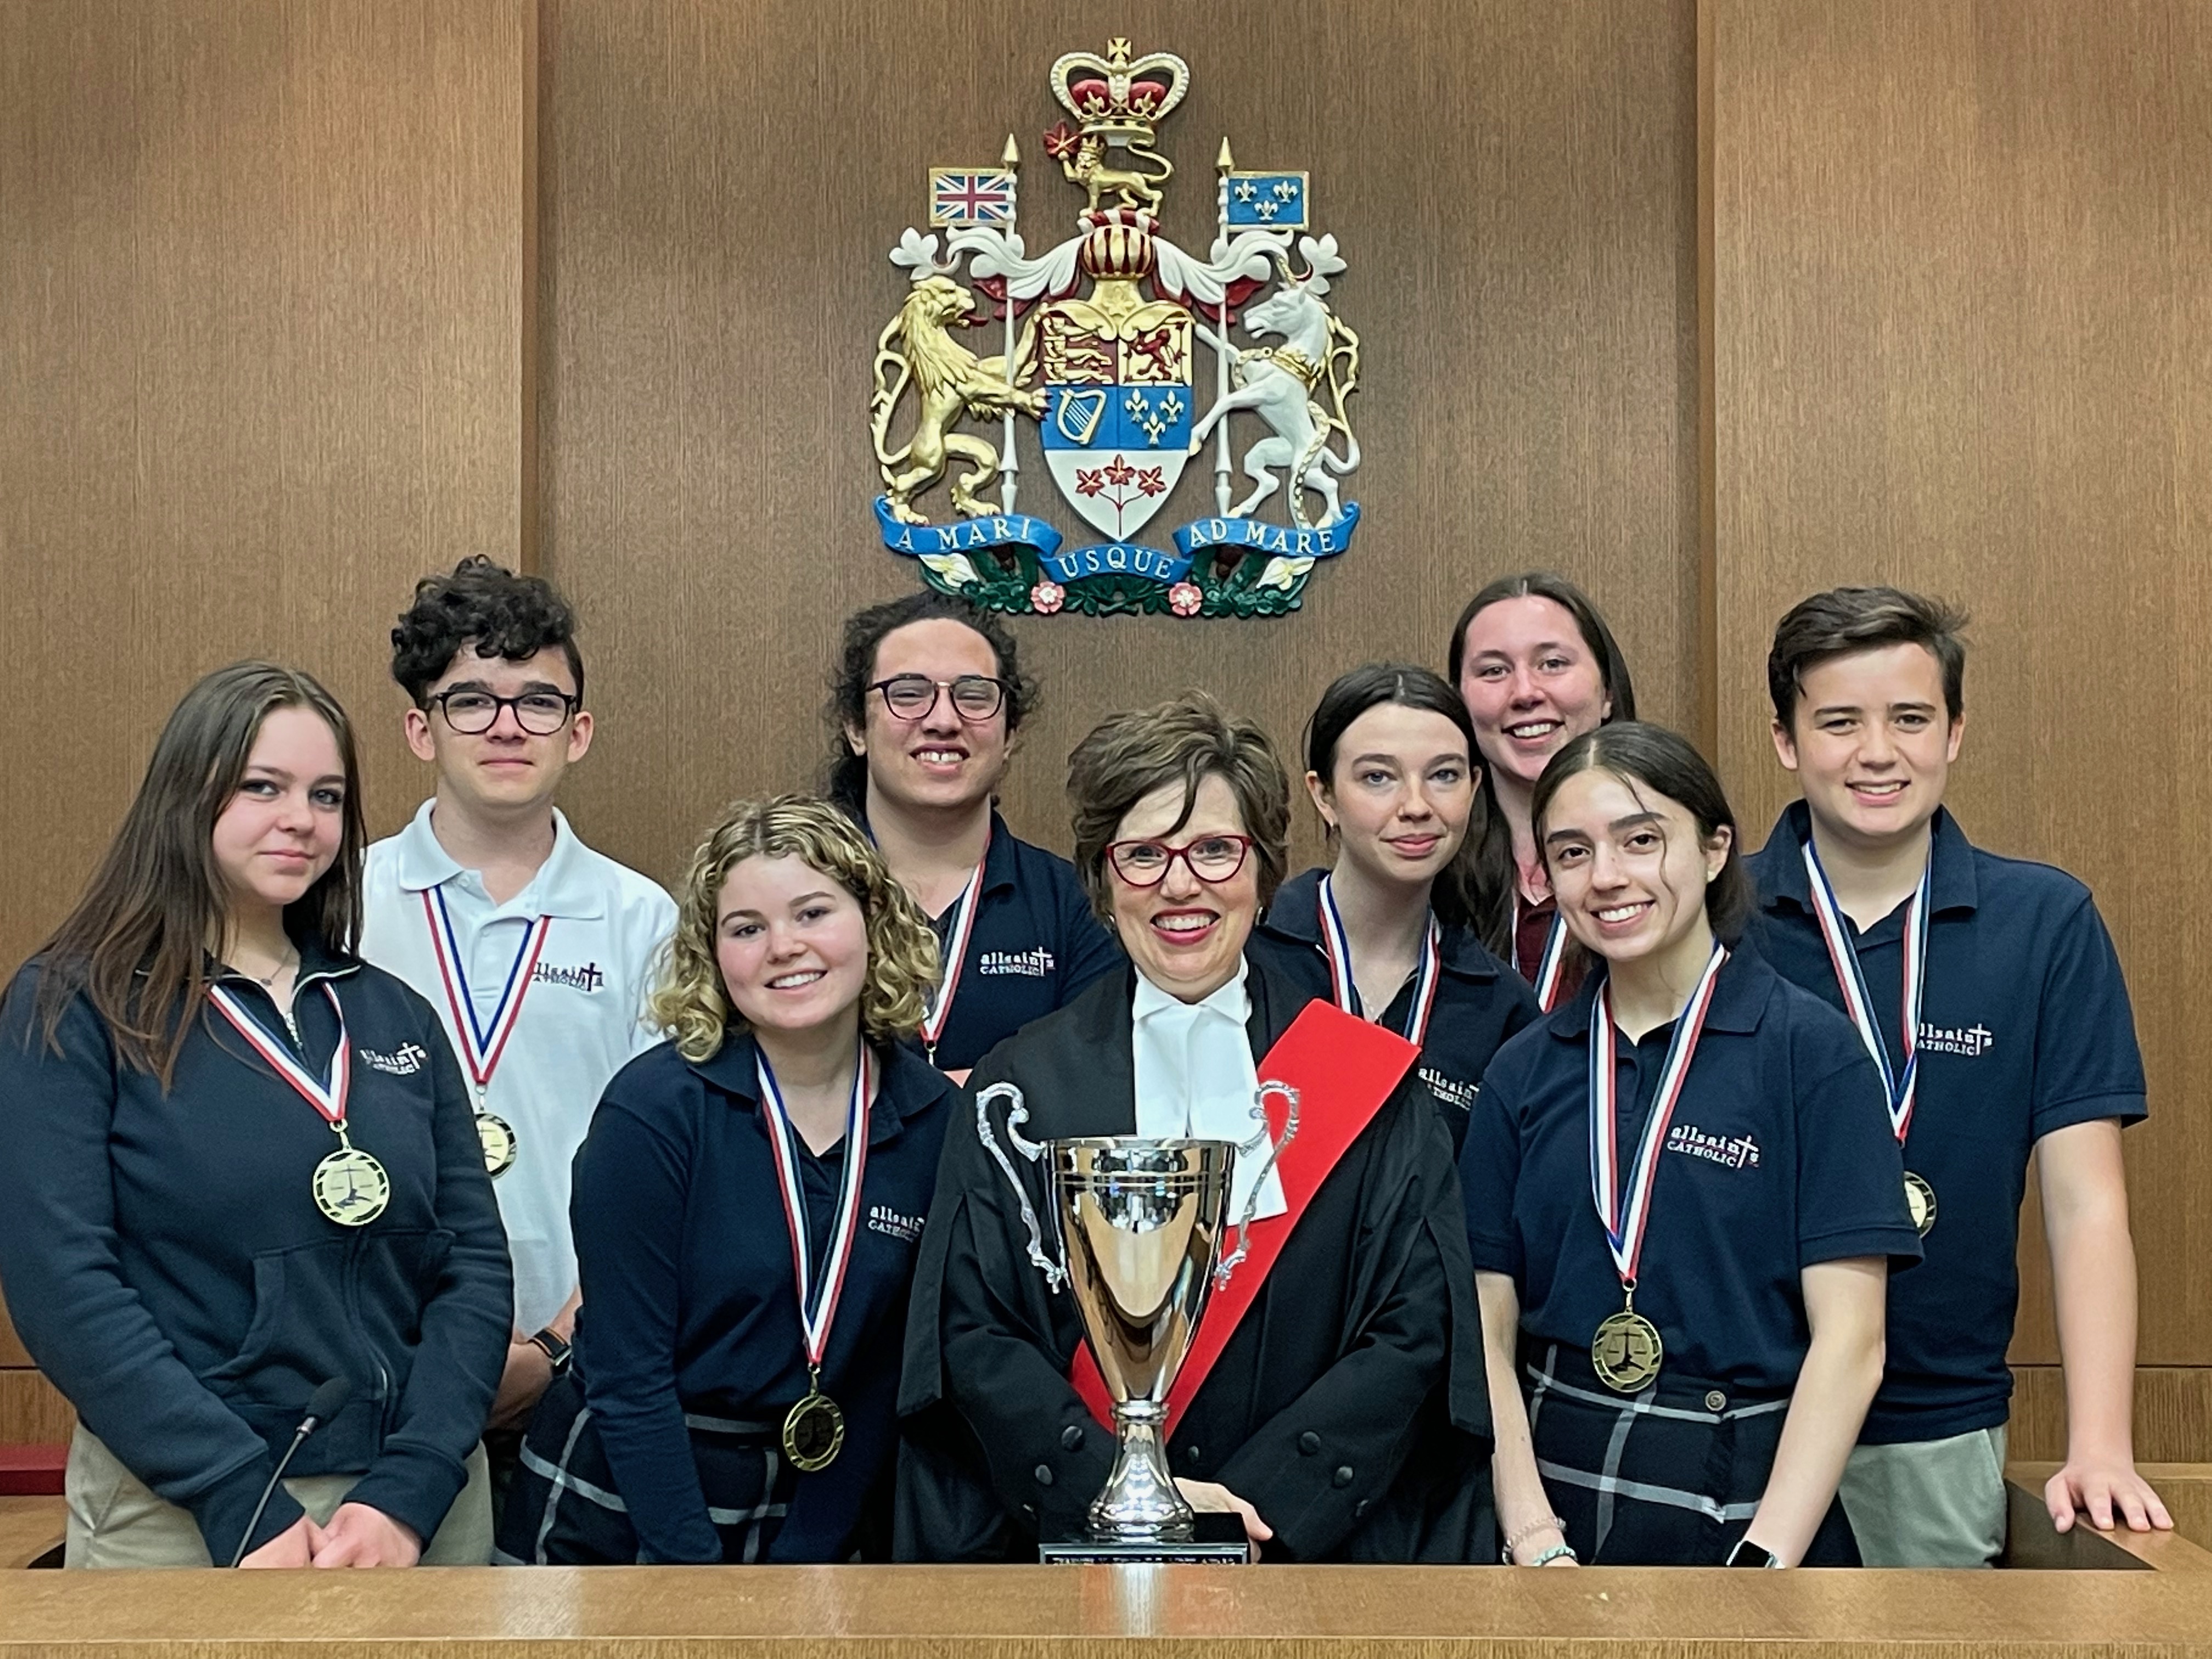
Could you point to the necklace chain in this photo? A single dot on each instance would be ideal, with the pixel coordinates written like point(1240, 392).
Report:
point(265, 981)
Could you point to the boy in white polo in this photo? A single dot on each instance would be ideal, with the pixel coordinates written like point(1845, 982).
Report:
point(537, 951)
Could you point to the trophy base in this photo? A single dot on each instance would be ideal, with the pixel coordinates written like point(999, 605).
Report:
point(1216, 1538)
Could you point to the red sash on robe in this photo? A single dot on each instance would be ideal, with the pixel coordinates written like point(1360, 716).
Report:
point(1344, 1068)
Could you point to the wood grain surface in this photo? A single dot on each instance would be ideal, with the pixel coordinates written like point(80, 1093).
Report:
point(2173, 1411)
point(1026, 1612)
point(29, 1527)
point(2186, 1489)
point(1959, 320)
point(1512, 185)
point(260, 338)
point(32, 1410)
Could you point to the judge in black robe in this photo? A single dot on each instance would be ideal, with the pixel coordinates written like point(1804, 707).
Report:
point(1349, 1407)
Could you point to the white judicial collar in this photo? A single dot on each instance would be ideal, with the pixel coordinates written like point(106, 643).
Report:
point(1195, 1077)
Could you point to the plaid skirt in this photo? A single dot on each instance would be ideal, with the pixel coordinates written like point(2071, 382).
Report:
point(563, 1510)
point(1669, 1477)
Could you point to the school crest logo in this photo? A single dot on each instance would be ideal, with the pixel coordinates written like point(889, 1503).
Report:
point(1124, 364)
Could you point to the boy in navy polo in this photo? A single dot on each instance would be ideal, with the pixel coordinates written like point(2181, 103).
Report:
point(928, 693)
point(1989, 994)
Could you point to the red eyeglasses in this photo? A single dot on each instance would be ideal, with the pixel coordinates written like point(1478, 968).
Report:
point(1209, 858)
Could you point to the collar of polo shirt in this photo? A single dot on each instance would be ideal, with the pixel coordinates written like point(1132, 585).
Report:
point(562, 887)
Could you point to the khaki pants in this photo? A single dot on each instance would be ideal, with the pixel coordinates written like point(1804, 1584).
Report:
point(115, 1520)
point(1931, 1504)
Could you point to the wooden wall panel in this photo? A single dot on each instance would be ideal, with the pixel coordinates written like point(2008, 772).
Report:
point(2173, 1413)
point(32, 1410)
point(1960, 318)
point(1512, 183)
point(261, 338)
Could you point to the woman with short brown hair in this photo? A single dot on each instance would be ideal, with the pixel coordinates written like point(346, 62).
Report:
point(1343, 1417)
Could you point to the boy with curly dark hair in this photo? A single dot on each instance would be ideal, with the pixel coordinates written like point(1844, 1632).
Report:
point(537, 951)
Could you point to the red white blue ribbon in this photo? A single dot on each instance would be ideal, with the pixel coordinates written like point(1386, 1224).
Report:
point(326, 1094)
point(481, 1046)
point(939, 1008)
point(1337, 948)
point(1900, 1087)
point(818, 1291)
point(1624, 1221)
point(1548, 965)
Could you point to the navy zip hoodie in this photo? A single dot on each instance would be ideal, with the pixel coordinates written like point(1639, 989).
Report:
point(166, 1264)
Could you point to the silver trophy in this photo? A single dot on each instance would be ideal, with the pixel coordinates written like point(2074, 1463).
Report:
point(1140, 1226)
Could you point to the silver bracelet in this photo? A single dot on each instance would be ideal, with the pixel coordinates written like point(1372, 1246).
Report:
point(1520, 1535)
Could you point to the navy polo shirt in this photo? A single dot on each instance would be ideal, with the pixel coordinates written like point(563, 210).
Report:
point(2025, 1028)
point(1480, 1002)
point(691, 1303)
point(1035, 944)
point(1779, 1157)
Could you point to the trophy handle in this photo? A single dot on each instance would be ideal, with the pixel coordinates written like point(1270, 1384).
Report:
point(1018, 1113)
point(1260, 1136)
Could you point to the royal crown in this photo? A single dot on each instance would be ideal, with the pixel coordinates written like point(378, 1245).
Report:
point(1117, 97)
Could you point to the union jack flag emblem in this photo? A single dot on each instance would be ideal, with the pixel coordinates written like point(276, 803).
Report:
point(960, 196)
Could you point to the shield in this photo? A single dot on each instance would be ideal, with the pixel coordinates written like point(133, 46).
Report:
point(1117, 420)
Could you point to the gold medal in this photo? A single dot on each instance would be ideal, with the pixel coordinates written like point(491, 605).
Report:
point(1920, 1199)
point(497, 1139)
point(813, 1430)
point(351, 1187)
point(1626, 1352)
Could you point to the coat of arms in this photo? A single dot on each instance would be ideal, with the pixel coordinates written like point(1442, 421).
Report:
point(1099, 375)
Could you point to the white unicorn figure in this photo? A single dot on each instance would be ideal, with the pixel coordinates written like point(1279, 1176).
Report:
point(1282, 385)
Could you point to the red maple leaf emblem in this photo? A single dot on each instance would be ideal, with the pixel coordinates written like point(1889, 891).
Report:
point(1150, 483)
point(1089, 481)
point(1119, 472)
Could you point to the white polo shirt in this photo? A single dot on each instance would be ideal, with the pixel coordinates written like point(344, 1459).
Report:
point(580, 1021)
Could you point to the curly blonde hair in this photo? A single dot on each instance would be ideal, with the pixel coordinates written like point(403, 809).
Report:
point(691, 1004)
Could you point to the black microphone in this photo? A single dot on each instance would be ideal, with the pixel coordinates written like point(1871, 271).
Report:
point(322, 1404)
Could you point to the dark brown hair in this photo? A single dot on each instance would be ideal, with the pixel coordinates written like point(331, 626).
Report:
point(485, 606)
point(1654, 758)
point(1486, 871)
point(1844, 620)
point(846, 782)
point(1128, 756)
point(136, 943)
point(1409, 686)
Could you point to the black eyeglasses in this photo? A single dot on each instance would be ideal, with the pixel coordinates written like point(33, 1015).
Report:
point(541, 714)
point(912, 696)
point(1209, 858)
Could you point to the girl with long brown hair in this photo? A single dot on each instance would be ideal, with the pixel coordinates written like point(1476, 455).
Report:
point(238, 1173)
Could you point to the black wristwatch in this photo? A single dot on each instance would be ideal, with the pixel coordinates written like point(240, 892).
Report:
point(1748, 1554)
point(557, 1350)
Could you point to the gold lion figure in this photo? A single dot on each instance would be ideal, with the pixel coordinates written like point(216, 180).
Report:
point(949, 379)
point(1082, 161)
